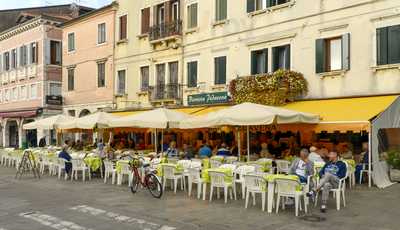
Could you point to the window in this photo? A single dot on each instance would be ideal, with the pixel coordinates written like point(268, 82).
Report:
point(34, 52)
point(333, 54)
point(259, 61)
point(145, 20)
point(192, 16)
point(33, 91)
point(55, 89)
point(13, 59)
point(175, 11)
point(220, 10)
point(55, 53)
point(14, 94)
point(101, 74)
point(101, 33)
point(71, 42)
point(6, 61)
point(23, 56)
point(160, 14)
point(388, 45)
point(255, 5)
point(281, 58)
point(23, 92)
point(144, 78)
point(121, 82)
point(220, 70)
point(192, 74)
point(123, 27)
point(71, 79)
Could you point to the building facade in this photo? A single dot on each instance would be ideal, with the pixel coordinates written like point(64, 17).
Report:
point(30, 75)
point(175, 52)
point(88, 49)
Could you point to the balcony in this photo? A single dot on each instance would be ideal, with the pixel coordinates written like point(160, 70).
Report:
point(166, 93)
point(165, 31)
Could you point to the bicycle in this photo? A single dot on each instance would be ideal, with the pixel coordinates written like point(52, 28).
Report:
point(150, 180)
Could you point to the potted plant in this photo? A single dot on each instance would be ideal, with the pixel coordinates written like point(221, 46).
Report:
point(393, 160)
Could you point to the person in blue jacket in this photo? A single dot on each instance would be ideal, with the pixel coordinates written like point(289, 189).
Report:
point(364, 162)
point(330, 175)
point(205, 151)
point(65, 155)
point(223, 151)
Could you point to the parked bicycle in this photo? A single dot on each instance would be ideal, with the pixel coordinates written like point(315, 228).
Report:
point(145, 177)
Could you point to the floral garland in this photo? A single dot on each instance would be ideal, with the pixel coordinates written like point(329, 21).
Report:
point(278, 88)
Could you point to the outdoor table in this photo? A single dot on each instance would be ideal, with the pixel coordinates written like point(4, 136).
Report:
point(265, 165)
point(93, 162)
point(179, 168)
point(270, 178)
point(218, 158)
point(206, 177)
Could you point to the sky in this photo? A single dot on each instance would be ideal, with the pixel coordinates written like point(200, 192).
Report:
point(12, 4)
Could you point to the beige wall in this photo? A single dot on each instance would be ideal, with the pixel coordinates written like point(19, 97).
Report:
point(298, 23)
point(85, 58)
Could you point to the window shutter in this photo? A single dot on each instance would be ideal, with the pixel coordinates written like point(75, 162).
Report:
point(394, 45)
point(123, 25)
point(253, 62)
point(346, 52)
point(382, 46)
point(1, 67)
point(220, 70)
point(275, 59)
point(167, 12)
point(251, 6)
point(270, 3)
point(224, 8)
point(194, 16)
point(145, 20)
point(287, 57)
point(320, 56)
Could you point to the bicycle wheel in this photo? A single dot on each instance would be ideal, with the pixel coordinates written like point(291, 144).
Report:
point(154, 185)
point(135, 184)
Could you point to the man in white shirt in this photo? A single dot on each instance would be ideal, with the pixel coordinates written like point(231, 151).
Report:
point(314, 156)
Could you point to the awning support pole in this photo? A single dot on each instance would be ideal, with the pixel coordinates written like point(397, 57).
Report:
point(248, 144)
point(238, 141)
point(155, 140)
point(369, 157)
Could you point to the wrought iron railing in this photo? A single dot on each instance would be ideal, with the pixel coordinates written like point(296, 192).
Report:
point(171, 91)
point(164, 30)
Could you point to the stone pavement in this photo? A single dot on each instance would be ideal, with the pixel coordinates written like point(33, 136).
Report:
point(30, 204)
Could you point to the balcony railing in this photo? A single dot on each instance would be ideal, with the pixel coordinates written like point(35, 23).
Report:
point(166, 92)
point(165, 30)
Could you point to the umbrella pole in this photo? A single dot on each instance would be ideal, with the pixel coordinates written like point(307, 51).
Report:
point(248, 143)
point(162, 141)
point(238, 141)
point(155, 140)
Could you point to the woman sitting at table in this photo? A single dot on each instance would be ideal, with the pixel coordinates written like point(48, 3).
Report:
point(264, 153)
point(65, 155)
point(302, 167)
point(223, 151)
point(172, 151)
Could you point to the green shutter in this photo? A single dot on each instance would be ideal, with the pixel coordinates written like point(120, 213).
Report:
point(270, 3)
point(220, 70)
point(346, 52)
point(287, 57)
point(251, 6)
point(394, 45)
point(320, 56)
point(253, 62)
point(275, 59)
point(382, 46)
point(194, 15)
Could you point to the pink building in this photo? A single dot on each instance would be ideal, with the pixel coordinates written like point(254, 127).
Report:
point(30, 73)
point(88, 51)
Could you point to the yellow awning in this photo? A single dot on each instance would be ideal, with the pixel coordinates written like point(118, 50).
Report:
point(347, 110)
point(126, 113)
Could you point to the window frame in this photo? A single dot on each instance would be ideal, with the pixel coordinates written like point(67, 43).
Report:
point(289, 59)
point(142, 87)
point(70, 79)
point(217, 80)
point(103, 73)
point(118, 82)
point(58, 52)
point(101, 36)
point(33, 97)
point(71, 46)
point(217, 14)
point(264, 50)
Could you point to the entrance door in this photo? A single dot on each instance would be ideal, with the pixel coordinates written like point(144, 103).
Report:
point(13, 134)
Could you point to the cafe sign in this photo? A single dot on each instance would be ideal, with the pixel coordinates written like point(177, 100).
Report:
point(54, 100)
point(208, 98)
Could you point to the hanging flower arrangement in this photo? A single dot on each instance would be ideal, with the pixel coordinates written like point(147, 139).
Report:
point(278, 88)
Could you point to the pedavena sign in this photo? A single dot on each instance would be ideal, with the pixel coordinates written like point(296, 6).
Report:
point(208, 98)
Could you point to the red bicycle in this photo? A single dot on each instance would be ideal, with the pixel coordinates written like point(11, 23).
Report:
point(149, 181)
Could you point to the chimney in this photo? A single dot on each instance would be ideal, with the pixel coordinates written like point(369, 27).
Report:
point(74, 10)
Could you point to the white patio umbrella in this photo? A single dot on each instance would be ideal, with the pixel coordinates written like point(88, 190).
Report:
point(248, 114)
point(161, 118)
point(48, 123)
point(95, 120)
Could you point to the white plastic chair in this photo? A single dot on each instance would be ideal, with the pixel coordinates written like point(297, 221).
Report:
point(363, 170)
point(169, 173)
point(46, 163)
point(255, 184)
point(195, 178)
point(214, 163)
point(282, 166)
point(60, 165)
point(173, 160)
point(125, 171)
point(79, 165)
point(195, 164)
point(339, 192)
point(288, 188)
point(257, 167)
point(217, 180)
point(239, 176)
point(231, 159)
point(109, 169)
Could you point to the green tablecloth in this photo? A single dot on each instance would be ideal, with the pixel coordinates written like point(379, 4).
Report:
point(118, 167)
point(265, 165)
point(227, 171)
point(218, 158)
point(206, 163)
point(93, 162)
point(272, 177)
point(179, 168)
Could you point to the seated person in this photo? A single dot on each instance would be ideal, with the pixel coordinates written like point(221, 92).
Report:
point(264, 153)
point(205, 151)
point(223, 151)
point(302, 167)
point(346, 153)
point(172, 151)
point(330, 175)
point(65, 155)
point(363, 163)
point(314, 155)
point(188, 151)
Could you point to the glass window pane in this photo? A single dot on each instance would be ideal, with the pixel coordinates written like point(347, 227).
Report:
point(336, 54)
